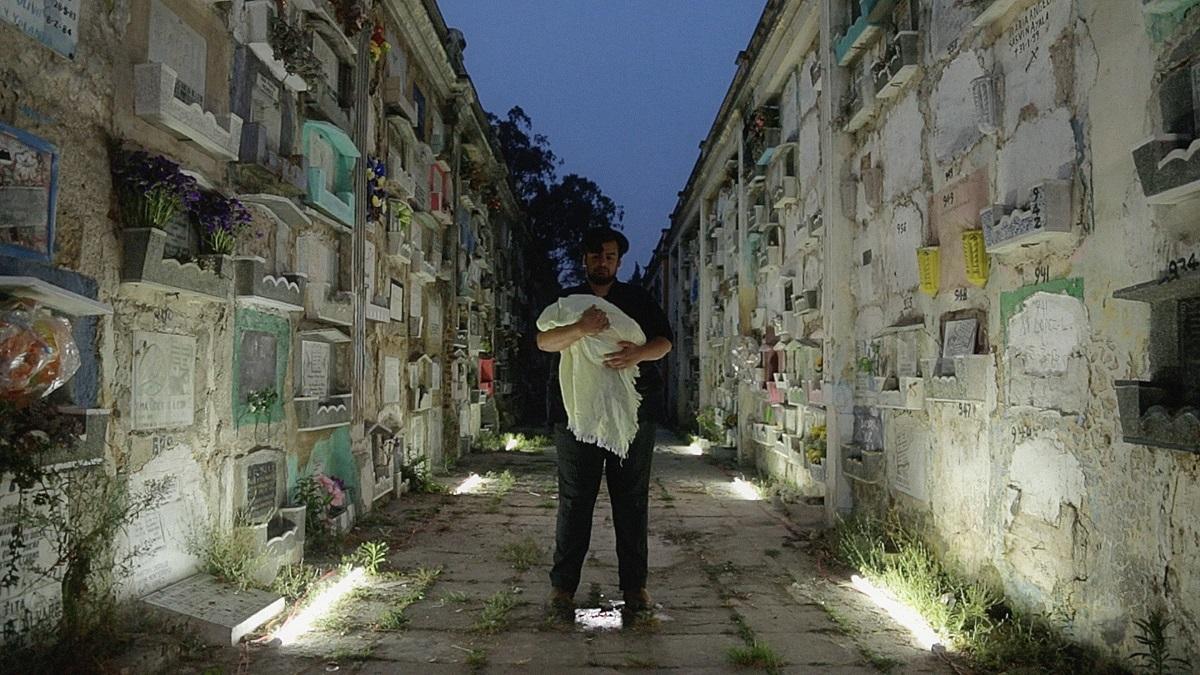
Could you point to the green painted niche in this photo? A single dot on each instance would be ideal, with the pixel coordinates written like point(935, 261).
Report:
point(1011, 301)
point(260, 358)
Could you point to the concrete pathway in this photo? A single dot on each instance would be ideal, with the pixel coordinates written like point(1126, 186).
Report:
point(726, 572)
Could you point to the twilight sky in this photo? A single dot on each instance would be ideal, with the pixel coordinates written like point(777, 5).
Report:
point(625, 91)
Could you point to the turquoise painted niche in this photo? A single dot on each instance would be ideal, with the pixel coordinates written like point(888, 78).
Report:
point(330, 456)
point(329, 160)
point(260, 359)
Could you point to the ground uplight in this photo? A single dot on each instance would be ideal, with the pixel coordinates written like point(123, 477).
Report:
point(472, 484)
point(319, 606)
point(904, 615)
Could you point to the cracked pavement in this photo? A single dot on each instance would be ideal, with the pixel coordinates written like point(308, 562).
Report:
point(726, 572)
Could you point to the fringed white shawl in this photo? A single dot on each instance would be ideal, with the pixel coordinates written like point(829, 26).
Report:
point(601, 402)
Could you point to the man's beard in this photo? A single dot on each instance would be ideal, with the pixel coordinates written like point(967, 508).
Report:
point(600, 278)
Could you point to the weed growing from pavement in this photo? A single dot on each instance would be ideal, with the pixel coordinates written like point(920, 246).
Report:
point(477, 659)
point(972, 617)
point(839, 620)
point(548, 504)
point(884, 664)
point(682, 537)
point(456, 597)
point(370, 555)
point(494, 617)
point(293, 581)
point(666, 495)
point(361, 653)
point(522, 554)
point(425, 576)
point(393, 619)
point(756, 655)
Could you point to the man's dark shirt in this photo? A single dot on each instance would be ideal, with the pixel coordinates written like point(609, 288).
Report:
point(641, 307)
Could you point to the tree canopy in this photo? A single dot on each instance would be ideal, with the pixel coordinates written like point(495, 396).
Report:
point(560, 210)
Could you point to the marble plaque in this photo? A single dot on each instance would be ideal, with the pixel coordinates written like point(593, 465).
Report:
point(163, 371)
point(907, 452)
point(314, 368)
point(159, 536)
point(34, 597)
point(178, 46)
point(218, 613)
point(391, 379)
point(959, 339)
point(261, 480)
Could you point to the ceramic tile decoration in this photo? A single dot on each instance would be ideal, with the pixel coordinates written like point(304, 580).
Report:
point(28, 194)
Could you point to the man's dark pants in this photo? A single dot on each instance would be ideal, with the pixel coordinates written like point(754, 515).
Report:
point(580, 466)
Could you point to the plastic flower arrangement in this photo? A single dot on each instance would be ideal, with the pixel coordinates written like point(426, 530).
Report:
point(379, 44)
point(376, 178)
point(220, 219)
point(151, 189)
point(334, 488)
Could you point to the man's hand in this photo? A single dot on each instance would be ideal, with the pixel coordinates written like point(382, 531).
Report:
point(593, 321)
point(629, 356)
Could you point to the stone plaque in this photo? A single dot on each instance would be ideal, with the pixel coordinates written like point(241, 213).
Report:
point(257, 362)
point(178, 46)
point(391, 379)
point(220, 614)
point(159, 536)
point(261, 481)
point(907, 453)
point(35, 596)
point(314, 368)
point(54, 23)
point(163, 371)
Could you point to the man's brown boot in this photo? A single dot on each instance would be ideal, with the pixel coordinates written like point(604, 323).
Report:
point(561, 605)
point(636, 601)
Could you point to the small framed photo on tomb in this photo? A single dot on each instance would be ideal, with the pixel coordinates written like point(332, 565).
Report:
point(28, 194)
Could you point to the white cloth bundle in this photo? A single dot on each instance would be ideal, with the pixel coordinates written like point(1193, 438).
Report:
point(601, 402)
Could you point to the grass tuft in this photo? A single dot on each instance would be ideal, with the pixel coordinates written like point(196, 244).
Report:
point(522, 554)
point(494, 617)
point(971, 616)
point(757, 655)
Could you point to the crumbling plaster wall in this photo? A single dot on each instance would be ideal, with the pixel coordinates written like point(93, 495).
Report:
point(1034, 488)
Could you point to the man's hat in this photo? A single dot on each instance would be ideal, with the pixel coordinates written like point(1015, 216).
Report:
point(593, 239)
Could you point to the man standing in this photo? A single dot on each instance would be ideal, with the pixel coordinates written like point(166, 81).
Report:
point(581, 464)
